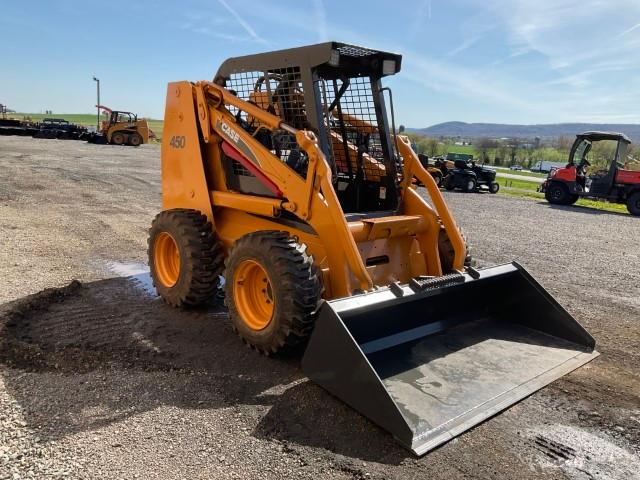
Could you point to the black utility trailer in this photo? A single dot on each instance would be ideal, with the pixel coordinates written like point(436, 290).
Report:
point(59, 128)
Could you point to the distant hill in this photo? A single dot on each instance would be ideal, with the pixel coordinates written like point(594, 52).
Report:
point(500, 130)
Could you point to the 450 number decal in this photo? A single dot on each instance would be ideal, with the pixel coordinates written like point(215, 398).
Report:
point(178, 141)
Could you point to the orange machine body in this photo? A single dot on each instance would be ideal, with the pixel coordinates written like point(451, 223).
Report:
point(354, 255)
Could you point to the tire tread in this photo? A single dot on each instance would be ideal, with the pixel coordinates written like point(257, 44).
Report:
point(299, 282)
point(204, 255)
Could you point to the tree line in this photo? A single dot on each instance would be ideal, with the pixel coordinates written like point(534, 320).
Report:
point(516, 151)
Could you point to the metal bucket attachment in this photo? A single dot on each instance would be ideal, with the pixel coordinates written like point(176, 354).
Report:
point(428, 361)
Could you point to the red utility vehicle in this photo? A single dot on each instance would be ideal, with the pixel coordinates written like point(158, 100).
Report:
point(618, 183)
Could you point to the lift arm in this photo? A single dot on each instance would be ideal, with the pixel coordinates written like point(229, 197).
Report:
point(413, 168)
point(312, 199)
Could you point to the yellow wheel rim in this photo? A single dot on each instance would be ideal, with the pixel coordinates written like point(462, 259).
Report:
point(253, 294)
point(167, 259)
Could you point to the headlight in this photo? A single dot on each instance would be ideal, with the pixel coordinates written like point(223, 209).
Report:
point(388, 67)
point(334, 59)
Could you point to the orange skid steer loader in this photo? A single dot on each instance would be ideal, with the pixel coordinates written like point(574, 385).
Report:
point(122, 128)
point(284, 175)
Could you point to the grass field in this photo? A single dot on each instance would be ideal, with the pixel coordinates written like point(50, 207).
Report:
point(523, 173)
point(86, 119)
point(527, 189)
point(468, 149)
point(517, 184)
point(80, 118)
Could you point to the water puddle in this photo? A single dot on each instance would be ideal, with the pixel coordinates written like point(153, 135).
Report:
point(584, 455)
point(138, 273)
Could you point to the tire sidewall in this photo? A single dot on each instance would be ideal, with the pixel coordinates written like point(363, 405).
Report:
point(135, 140)
point(170, 293)
point(447, 252)
point(562, 193)
point(117, 135)
point(469, 184)
point(633, 203)
point(438, 178)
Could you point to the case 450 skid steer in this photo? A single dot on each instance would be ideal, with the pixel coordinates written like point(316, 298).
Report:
point(284, 176)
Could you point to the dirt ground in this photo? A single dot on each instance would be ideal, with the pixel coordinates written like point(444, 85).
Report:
point(99, 379)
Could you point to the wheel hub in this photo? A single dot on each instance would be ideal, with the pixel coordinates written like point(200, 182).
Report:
point(253, 294)
point(167, 259)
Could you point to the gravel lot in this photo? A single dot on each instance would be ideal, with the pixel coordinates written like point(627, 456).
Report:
point(98, 379)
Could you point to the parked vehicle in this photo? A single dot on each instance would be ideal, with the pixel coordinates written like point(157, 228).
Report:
point(443, 164)
point(469, 177)
point(122, 128)
point(546, 167)
point(618, 183)
point(516, 167)
point(13, 126)
point(433, 170)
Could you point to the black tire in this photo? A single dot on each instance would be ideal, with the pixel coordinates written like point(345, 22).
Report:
point(201, 257)
point(447, 253)
point(118, 138)
point(449, 182)
point(135, 139)
point(633, 203)
point(296, 296)
point(558, 194)
point(494, 187)
point(470, 184)
point(438, 179)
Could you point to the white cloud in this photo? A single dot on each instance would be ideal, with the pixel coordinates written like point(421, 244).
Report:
point(419, 15)
point(321, 20)
point(515, 53)
point(566, 32)
point(243, 23)
point(467, 43)
point(574, 69)
point(629, 30)
point(459, 80)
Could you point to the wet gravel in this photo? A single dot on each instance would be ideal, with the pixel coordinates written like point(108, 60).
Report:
point(100, 380)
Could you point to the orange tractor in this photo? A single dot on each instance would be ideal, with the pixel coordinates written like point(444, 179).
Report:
point(285, 176)
point(122, 128)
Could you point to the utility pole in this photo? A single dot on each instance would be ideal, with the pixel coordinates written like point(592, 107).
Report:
point(98, 104)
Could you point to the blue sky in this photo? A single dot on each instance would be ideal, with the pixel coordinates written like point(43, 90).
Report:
point(506, 61)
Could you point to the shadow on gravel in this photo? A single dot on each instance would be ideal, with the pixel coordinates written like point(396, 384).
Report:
point(582, 209)
point(307, 415)
point(86, 356)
